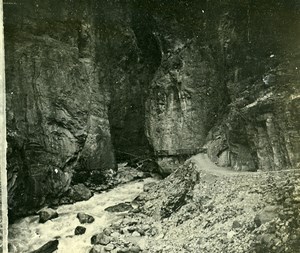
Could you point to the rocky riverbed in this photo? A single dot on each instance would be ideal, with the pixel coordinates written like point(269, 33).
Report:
point(198, 208)
point(29, 234)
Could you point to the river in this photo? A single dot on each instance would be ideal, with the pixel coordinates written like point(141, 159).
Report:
point(27, 234)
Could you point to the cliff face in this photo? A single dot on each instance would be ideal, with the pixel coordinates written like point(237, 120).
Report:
point(228, 78)
point(88, 81)
point(261, 130)
point(187, 94)
point(57, 117)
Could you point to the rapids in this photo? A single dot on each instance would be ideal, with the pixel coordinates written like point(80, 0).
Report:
point(27, 234)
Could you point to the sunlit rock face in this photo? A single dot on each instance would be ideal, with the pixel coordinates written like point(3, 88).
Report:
point(95, 82)
point(185, 100)
point(229, 78)
point(186, 95)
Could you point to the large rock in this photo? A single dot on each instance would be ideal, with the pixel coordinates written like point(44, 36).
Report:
point(79, 230)
point(49, 247)
point(80, 192)
point(121, 207)
point(85, 218)
point(101, 239)
point(47, 214)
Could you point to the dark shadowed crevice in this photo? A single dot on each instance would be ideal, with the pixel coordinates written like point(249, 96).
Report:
point(129, 92)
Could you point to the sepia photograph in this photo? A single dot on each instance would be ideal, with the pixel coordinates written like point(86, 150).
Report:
point(150, 126)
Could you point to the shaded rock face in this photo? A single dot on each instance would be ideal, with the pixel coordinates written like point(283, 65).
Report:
point(136, 56)
point(57, 111)
point(91, 81)
point(261, 130)
point(187, 93)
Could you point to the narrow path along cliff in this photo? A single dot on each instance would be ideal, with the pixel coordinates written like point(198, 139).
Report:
point(203, 162)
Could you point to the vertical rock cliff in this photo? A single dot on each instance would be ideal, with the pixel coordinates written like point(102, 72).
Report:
point(261, 59)
point(57, 118)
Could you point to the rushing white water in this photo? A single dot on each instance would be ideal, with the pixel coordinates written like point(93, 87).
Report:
point(28, 234)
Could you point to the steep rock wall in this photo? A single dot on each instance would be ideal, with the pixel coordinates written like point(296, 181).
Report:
point(185, 100)
point(261, 130)
point(57, 111)
point(133, 56)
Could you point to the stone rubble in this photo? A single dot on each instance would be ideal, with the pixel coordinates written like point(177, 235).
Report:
point(194, 210)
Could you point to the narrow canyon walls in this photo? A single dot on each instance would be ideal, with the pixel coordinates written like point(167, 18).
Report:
point(91, 83)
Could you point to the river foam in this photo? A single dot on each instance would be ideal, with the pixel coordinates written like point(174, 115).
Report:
point(28, 234)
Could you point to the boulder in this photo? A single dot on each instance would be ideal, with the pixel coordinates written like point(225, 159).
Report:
point(266, 215)
point(128, 174)
point(136, 234)
point(109, 247)
point(236, 224)
point(79, 230)
point(131, 229)
point(115, 234)
point(97, 249)
point(85, 218)
point(135, 249)
point(101, 239)
point(49, 247)
point(47, 214)
point(80, 192)
point(121, 207)
point(108, 231)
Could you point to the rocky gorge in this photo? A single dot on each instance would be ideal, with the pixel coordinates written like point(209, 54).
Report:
point(93, 84)
point(199, 208)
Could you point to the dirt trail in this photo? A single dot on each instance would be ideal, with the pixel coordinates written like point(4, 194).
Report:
point(204, 163)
